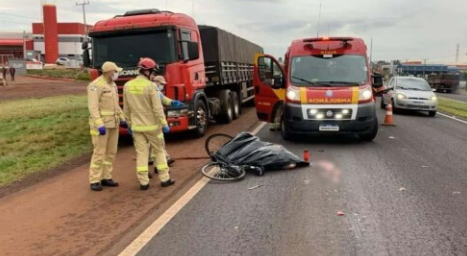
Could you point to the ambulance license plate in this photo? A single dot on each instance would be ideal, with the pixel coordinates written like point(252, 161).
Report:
point(328, 128)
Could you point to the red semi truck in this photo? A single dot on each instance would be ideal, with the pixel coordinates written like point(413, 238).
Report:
point(325, 87)
point(207, 68)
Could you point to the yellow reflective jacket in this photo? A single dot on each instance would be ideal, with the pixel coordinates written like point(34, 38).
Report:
point(103, 105)
point(142, 105)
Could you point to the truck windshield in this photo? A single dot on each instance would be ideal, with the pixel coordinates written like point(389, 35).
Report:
point(315, 71)
point(126, 50)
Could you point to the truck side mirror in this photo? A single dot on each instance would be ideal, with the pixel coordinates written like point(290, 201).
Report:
point(377, 81)
point(86, 58)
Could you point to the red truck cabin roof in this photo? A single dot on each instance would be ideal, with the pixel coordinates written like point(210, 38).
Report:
point(328, 46)
point(142, 21)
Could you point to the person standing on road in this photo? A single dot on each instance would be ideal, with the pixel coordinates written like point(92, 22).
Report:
point(145, 114)
point(106, 117)
point(160, 86)
point(4, 75)
point(12, 73)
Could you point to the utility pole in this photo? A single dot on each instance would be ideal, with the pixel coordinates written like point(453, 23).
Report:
point(457, 53)
point(24, 44)
point(83, 4)
point(424, 67)
point(319, 18)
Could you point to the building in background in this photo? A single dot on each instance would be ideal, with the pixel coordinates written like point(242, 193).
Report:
point(56, 40)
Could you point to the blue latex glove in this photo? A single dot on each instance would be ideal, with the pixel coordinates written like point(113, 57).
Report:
point(123, 124)
point(166, 129)
point(130, 131)
point(102, 130)
point(177, 104)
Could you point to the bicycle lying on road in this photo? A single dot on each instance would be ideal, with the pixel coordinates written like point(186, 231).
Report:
point(231, 158)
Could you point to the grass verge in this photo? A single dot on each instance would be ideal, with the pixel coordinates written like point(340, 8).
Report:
point(76, 74)
point(39, 134)
point(453, 107)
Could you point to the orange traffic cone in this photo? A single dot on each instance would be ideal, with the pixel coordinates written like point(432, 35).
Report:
point(389, 119)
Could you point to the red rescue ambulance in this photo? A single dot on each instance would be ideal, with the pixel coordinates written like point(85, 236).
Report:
point(324, 87)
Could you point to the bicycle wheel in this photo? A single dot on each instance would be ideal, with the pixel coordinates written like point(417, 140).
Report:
point(217, 171)
point(216, 142)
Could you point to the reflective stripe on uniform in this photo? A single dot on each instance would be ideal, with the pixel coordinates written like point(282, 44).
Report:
point(95, 166)
point(160, 136)
point(94, 132)
point(162, 166)
point(138, 85)
point(142, 169)
point(107, 113)
point(144, 128)
point(107, 163)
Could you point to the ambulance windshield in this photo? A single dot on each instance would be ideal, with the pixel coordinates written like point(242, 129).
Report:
point(336, 71)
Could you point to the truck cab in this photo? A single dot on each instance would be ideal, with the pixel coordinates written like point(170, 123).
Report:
point(325, 87)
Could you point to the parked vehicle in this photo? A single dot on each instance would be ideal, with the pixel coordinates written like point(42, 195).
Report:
point(207, 68)
point(62, 61)
point(325, 87)
point(410, 93)
point(444, 82)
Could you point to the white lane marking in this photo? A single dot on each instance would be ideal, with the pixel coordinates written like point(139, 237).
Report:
point(165, 218)
point(453, 118)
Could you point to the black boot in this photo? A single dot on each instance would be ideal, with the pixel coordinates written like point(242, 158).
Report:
point(150, 175)
point(167, 183)
point(109, 183)
point(96, 186)
point(144, 187)
point(170, 161)
point(150, 162)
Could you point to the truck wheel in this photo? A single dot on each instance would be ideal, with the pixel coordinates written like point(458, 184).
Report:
point(372, 134)
point(201, 119)
point(236, 108)
point(226, 115)
point(383, 106)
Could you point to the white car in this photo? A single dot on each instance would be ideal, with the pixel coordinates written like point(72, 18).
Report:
point(410, 93)
point(62, 61)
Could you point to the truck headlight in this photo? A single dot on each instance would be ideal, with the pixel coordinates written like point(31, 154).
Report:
point(434, 98)
point(177, 113)
point(401, 96)
point(365, 94)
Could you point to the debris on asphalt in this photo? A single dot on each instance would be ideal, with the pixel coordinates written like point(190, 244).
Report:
point(255, 187)
point(424, 166)
point(340, 213)
point(456, 193)
point(402, 189)
point(236, 228)
point(321, 150)
point(391, 137)
point(306, 182)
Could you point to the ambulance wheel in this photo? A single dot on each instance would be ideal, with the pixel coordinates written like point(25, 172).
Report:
point(368, 137)
point(286, 135)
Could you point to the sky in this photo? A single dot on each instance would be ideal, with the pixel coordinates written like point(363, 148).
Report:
point(400, 29)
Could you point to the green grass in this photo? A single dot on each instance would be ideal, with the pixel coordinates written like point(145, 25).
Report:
point(452, 107)
point(39, 134)
point(81, 75)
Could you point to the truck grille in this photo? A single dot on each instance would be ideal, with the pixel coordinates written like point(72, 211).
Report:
point(329, 114)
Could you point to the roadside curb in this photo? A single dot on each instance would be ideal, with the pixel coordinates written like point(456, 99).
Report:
point(54, 79)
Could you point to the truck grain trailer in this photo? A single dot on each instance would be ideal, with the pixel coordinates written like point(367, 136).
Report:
point(444, 82)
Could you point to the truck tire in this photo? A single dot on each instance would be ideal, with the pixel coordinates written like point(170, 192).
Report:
point(236, 106)
point(201, 115)
point(368, 137)
point(226, 115)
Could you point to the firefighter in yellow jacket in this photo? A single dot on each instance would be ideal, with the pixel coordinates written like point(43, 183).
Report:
point(145, 115)
point(160, 84)
point(105, 118)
